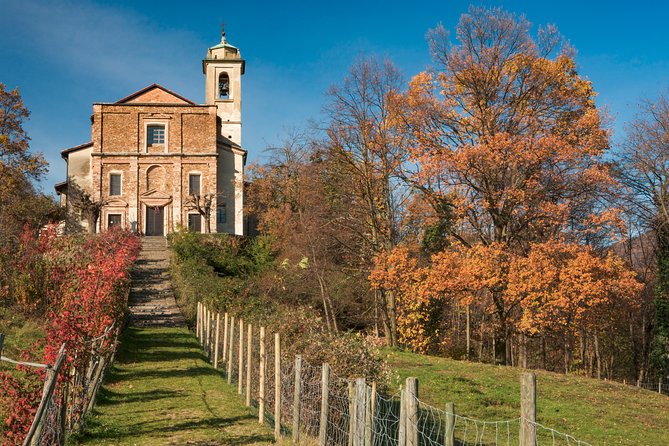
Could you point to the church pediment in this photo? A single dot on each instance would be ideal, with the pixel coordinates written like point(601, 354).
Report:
point(155, 94)
point(154, 197)
point(153, 193)
point(117, 202)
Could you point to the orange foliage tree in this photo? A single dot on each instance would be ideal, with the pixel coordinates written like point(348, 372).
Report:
point(505, 140)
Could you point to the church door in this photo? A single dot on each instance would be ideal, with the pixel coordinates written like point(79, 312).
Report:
point(194, 223)
point(154, 220)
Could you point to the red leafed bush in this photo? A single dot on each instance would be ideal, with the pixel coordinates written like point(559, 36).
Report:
point(83, 290)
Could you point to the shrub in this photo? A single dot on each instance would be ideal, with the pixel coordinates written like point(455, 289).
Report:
point(241, 276)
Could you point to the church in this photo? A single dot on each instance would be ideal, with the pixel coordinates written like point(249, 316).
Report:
point(158, 161)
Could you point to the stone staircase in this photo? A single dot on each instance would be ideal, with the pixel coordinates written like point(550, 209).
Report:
point(152, 302)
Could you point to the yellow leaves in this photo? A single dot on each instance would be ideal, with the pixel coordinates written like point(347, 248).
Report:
point(556, 286)
point(561, 286)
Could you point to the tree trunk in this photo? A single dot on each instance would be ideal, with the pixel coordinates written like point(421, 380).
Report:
point(598, 357)
point(583, 346)
point(522, 351)
point(468, 329)
point(499, 345)
point(567, 354)
point(389, 317)
point(662, 297)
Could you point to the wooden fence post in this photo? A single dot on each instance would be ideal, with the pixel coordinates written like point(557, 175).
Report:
point(659, 386)
point(412, 411)
point(207, 332)
point(261, 387)
point(325, 392)
point(249, 357)
point(231, 348)
point(225, 338)
point(210, 324)
point(217, 341)
point(33, 436)
point(369, 413)
point(197, 322)
point(297, 395)
point(360, 412)
point(277, 386)
point(2, 342)
point(203, 327)
point(240, 362)
point(351, 413)
point(528, 409)
point(402, 431)
point(449, 432)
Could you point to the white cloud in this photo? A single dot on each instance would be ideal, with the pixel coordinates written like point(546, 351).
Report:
point(101, 42)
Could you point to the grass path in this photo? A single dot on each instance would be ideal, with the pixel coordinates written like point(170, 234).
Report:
point(163, 391)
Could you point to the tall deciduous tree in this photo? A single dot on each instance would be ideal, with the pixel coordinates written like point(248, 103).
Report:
point(20, 203)
point(505, 138)
point(644, 169)
point(367, 151)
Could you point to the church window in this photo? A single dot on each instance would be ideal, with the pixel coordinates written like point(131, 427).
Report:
point(221, 214)
point(194, 184)
point(155, 135)
point(223, 86)
point(113, 220)
point(115, 184)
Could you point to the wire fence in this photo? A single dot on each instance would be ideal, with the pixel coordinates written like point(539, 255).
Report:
point(70, 387)
point(658, 387)
point(313, 405)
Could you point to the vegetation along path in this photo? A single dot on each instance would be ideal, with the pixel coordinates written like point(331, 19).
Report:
point(162, 389)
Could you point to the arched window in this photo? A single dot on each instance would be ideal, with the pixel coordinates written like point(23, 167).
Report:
point(223, 86)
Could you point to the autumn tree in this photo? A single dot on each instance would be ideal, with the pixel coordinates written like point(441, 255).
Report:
point(366, 151)
point(19, 168)
point(571, 292)
point(505, 139)
point(644, 169)
point(291, 196)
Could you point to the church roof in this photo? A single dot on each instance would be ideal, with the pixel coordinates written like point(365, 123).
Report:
point(64, 153)
point(60, 187)
point(166, 94)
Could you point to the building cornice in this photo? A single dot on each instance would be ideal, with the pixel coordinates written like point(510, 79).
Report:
point(151, 155)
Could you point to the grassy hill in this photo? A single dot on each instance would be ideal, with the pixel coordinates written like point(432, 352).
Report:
point(599, 412)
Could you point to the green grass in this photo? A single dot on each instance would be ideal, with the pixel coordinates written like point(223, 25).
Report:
point(21, 333)
point(163, 391)
point(599, 412)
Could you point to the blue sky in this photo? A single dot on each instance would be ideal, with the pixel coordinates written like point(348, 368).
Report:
point(65, 55)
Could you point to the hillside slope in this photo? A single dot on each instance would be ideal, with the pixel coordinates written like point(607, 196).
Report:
point(599, 412)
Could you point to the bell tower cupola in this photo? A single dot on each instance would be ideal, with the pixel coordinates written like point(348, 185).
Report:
point(223, 68)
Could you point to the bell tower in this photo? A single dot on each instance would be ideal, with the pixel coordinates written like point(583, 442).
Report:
point(223, 68)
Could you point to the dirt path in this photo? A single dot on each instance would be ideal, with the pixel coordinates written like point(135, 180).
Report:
point(162, 390)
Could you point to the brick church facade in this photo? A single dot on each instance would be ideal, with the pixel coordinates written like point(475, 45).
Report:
point(158, 161)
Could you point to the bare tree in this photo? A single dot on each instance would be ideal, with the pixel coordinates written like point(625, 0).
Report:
point(367, 152)
point(84, 204)
point(644, 169)
point(204, 205)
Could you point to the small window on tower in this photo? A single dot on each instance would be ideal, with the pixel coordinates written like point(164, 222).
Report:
point(223, 86)
point(155, 135)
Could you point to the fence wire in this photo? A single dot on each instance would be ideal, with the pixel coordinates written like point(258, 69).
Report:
point(69, 392)
point(381, 415)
